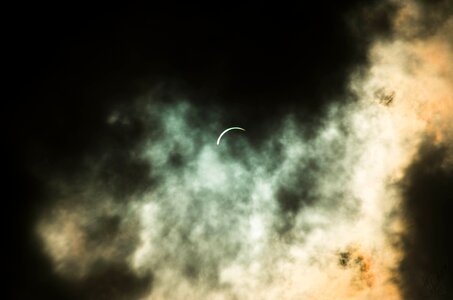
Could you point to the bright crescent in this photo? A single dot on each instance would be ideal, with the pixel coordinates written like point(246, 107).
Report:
point(226, 130)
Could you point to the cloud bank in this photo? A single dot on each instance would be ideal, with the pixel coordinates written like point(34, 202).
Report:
point(308, 213)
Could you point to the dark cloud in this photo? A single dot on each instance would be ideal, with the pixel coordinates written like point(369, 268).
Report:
point(106, 282)
point(434, 14)
point(372, 22)
point(257, 64)
point(112, 282)
point(427, 267)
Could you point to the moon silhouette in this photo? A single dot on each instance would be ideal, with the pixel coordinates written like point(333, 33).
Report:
point(226, 130)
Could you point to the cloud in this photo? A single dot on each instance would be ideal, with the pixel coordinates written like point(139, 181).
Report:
point(232, 220)
point(319, 211)
point(426, 267)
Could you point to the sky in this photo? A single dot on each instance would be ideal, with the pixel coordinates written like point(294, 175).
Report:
point(339, 187)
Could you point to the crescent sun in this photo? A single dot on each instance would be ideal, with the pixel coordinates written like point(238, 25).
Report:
point(226, 130)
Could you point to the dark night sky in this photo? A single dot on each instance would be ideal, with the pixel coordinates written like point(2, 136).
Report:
point(69, 66)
